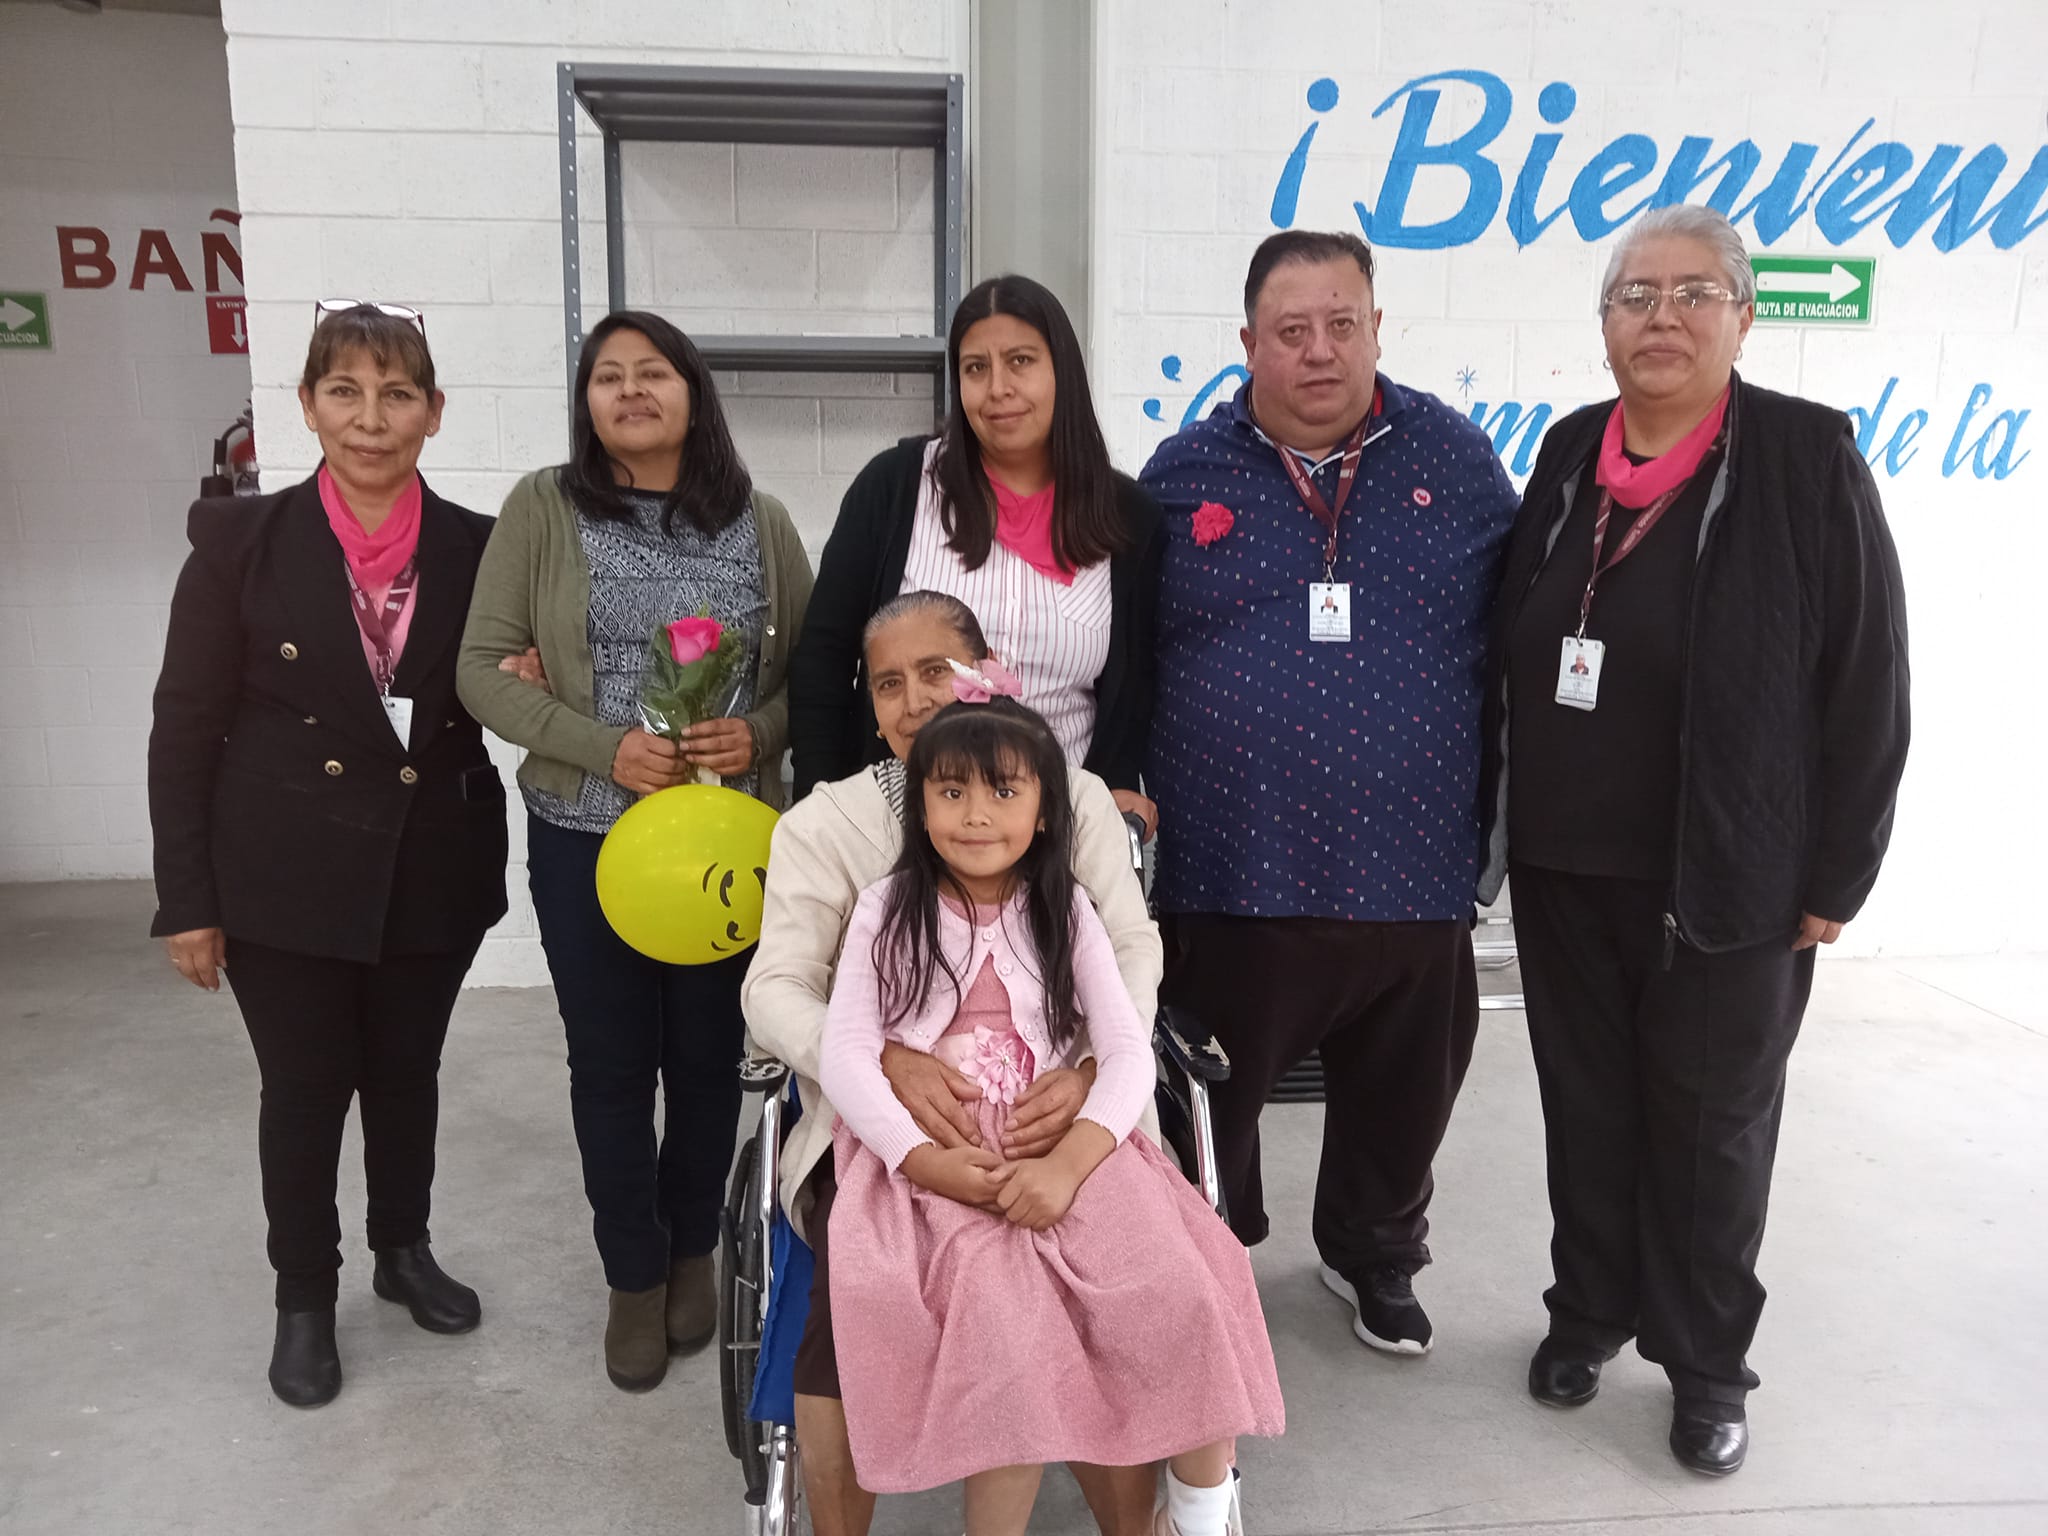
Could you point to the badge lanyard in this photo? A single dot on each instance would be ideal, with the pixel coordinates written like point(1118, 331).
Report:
point(1326, 512)
point(1643, 524)
point(1580, 660)
point(377, 626)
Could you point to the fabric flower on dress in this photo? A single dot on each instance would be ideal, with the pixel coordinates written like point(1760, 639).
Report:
point(990, 680)
point(1212, 521)
point(999, 1064)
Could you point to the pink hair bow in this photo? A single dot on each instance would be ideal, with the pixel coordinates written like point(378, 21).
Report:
point(991, 680)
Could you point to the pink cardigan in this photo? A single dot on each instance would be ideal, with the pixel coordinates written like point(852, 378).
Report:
point(850, 1060)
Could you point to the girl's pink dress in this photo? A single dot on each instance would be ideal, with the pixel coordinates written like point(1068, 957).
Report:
point(1127, 1332)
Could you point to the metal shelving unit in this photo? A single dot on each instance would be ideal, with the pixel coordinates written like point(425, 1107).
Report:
point(883, 109)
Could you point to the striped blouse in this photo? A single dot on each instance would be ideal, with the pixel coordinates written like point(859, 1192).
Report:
point(1054, 637)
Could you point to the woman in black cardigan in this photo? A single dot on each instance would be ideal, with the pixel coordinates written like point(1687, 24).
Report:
point(1014, 510)
point(328, 826)
point(1697, 714)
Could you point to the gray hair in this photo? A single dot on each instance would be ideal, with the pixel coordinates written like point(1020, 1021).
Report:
point(1688, 221)
point(938, 605)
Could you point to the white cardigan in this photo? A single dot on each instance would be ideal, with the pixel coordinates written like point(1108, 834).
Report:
point(828, 848)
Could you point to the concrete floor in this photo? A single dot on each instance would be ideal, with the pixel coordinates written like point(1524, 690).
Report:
point(1905, 1349)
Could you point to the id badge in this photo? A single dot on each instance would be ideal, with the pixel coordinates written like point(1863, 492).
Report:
point(1329, 610)
point(399, 712)
point(1578, 672)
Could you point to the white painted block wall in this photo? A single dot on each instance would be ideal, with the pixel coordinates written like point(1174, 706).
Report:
point(407, 151)
point(119, 122)
point(1201, 102)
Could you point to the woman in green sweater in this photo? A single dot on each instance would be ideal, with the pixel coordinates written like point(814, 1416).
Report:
point(653, 519)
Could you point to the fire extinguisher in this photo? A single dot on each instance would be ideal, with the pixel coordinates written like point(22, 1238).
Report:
point(234, 460)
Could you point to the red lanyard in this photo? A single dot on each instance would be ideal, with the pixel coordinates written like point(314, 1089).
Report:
point(1629, 541)
point(1347, 476)
point(376, 626)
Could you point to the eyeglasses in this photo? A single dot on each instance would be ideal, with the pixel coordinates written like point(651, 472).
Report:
point(1640, 300)
point(325, 307)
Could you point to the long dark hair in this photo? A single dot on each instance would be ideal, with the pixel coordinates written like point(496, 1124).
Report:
point(714, 485)
point(997, 742)
point(1087, 524)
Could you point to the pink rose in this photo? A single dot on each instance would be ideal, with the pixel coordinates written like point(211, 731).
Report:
point(1212, 521)
point(692, 639)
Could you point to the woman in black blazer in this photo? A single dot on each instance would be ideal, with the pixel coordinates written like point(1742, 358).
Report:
point(1015, 510)
point(328, 826)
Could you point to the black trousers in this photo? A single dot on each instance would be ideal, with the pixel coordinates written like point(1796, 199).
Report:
point(1662, 1092)
point(633, 1023)
point(326, 1031)
point(1393, 1007)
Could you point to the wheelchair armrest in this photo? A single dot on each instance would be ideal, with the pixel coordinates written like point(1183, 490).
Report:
point(762, 1074)
point(1134, 828)
point(1188, 1046)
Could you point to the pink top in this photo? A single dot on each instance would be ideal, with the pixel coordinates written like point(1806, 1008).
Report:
point(850, 1058)
point(1053, 633)
point(375, 559)
point(1024, 528)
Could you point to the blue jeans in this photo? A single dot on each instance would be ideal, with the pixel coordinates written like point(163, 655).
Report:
point(631, 1023)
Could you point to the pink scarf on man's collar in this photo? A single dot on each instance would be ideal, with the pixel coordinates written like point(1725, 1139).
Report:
point(1637, 485)
point(375, 559)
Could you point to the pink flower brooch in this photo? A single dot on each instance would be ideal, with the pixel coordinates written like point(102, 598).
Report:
point(1212, 521)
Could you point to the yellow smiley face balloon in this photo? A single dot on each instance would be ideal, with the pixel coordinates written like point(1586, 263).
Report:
point(681, 875)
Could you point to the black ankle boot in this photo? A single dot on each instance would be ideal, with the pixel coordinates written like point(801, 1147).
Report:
point(438, 1304)
point(305, 1367)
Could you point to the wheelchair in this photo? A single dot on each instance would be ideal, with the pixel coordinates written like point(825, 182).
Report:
point(759, 1251)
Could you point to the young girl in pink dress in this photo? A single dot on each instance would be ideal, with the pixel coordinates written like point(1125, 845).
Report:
point(993, 1315)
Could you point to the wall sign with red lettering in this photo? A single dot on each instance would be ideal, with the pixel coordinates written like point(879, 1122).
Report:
point(86, 256)
point(227, 329)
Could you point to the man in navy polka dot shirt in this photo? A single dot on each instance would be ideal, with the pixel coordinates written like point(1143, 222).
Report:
point(1333, 546)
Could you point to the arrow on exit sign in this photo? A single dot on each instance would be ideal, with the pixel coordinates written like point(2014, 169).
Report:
point(1815, 290)
point(24, 320)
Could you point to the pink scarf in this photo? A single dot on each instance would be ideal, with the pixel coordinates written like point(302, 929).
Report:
point(374, 558)
point(1637, 485)
point(1024, 528)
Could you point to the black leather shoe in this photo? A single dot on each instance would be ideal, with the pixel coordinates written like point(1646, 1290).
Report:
point(305, 1367)
point(438, 1304)
point(1706, 1444)
point(1562, 1377)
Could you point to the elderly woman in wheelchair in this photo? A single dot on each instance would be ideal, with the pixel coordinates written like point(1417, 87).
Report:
point(842, 838)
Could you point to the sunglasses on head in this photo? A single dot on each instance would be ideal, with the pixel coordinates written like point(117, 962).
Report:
point(325, 307)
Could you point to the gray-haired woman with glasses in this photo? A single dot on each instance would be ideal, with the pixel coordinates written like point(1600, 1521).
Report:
point(330, 833)
point(1698, 679)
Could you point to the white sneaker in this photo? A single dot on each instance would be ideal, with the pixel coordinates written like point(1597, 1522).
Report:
point(1233, 1524)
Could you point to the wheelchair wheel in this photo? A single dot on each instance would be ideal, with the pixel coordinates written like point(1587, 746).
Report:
point(741, 1267)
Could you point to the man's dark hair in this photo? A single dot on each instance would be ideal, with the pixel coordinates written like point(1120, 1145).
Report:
point(1310, 245)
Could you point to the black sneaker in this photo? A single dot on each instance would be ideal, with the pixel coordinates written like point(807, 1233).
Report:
point(1385, 1313)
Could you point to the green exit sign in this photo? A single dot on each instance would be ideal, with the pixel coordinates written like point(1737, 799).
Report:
point(1815, 290)
point(24, 320)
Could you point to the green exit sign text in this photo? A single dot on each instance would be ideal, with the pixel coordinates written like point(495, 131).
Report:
point(1815, 290)
point(24, 320)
